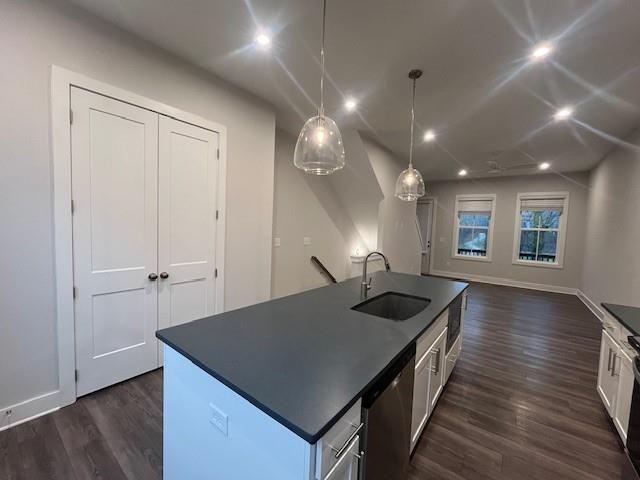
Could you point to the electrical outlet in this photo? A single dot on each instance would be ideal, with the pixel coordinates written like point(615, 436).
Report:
point(219, 419)
point(306, 240)
point(276, 242)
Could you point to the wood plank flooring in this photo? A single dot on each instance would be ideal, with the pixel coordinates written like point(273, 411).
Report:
point(522, 401)
point(521, 404)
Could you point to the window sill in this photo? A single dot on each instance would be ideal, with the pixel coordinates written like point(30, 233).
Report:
point(530, 263)
point(472, 258)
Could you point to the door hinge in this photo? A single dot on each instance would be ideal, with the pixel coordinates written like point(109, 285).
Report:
point(217, 214)
point(215, 273)
point(218, 153)
point(74, 292)
point(71, 116)
point(73, 207)
point(76, 375)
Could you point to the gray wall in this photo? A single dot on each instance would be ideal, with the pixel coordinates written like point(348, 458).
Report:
point(305, 206)
point(611, 263)
point(507, 189)
point(33, 36)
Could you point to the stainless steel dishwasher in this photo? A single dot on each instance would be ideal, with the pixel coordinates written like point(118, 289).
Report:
point(386, 412)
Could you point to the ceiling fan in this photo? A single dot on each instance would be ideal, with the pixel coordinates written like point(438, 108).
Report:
point(494, 167)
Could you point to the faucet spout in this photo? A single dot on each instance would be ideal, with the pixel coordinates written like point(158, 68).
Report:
point(365, 285)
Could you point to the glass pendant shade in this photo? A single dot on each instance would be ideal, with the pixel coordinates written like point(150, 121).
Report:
point(319, 149)
point(410, 185)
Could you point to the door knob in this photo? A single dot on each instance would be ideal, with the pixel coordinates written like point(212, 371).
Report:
point(153, 277)
point(164, 275)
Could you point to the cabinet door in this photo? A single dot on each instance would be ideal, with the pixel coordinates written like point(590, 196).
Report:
point(347, 466)
point(607, 381)
point(438, 367)
point(623, 370)
point(420, 409)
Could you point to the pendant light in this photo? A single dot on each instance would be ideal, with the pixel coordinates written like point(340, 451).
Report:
point(410, 185)
point(319, 149)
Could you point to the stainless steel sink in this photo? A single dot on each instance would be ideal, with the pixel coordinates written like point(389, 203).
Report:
point(393, 306)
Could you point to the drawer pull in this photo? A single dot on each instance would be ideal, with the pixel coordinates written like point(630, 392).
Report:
point(339, 462)
point(347, 444)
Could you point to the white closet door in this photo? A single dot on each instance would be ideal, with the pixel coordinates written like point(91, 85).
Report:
point(114, 184)
point(188, 171)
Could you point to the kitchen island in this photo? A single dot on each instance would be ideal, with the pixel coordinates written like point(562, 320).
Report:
point(252, 393)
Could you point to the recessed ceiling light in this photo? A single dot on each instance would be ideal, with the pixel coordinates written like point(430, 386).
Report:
point(463, 172)
point(563, 114)
point(350, 104)
point(262, 40)
point(429, 136)
point(544, 166)
point(541, 51)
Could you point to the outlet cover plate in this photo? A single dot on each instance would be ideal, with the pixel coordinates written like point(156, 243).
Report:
point(219, 419)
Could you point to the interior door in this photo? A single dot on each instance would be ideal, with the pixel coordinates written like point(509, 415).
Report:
point(188, 170)
point(114, 187)
point(424, 212)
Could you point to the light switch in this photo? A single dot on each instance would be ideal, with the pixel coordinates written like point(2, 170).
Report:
point(219, 419)
point(276, 242)
point(307, 240)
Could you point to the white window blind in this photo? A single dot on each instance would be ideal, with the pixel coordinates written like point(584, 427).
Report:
point(475, 205)
point(542, 204)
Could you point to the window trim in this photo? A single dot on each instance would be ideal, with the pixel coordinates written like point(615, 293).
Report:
point(562, 230)
point(456, 227)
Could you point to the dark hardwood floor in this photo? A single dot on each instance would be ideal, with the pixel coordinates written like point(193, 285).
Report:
point(521, 404)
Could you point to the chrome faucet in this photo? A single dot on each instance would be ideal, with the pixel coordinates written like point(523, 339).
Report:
point(365, 286)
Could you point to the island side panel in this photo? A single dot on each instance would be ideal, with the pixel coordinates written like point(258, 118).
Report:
point(211, 432)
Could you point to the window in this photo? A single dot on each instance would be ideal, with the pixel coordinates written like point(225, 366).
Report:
point(473, 227)
point(540, 229)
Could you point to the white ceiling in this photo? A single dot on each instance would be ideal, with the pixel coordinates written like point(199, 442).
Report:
point(479, 92)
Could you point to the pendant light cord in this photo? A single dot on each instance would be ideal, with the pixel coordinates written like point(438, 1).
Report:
point(413, 102)
point(324, 18)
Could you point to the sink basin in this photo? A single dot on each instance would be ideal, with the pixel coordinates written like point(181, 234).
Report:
point(393, 306)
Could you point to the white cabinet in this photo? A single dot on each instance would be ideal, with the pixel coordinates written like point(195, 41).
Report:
point(623, 369)
point(607, 381)
point(436, 382)
point(338, 451)
point(615, 374)
point(420, 413)
point(429, 375)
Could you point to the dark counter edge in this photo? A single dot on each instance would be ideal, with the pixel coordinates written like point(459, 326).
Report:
point(310, 438)
point(609, 308)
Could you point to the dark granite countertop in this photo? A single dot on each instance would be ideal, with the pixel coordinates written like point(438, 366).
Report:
point(628, 316)
point(306, 358)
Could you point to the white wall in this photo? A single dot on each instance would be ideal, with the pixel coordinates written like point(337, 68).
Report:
point(507, 189)
point(398, 235)
point(33, 36)
point(611, 262)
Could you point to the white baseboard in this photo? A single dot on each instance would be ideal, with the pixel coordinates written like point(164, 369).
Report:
point(591, 305)
point(506, 282)
point(28, 410)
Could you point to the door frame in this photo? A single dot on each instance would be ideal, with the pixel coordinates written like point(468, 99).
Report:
point(434, 202)
point(61, 82)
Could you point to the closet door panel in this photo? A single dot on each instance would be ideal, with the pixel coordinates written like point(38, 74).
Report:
point(114, 150)
point(188, 169)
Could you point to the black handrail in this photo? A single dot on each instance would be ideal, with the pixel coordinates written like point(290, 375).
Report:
point(323, 269)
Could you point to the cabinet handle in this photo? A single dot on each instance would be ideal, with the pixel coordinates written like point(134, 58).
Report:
point(153, 277)
point(609, 361)
point(347, 444)
point(436, 369)
point(613, 366)
point(164, 275)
